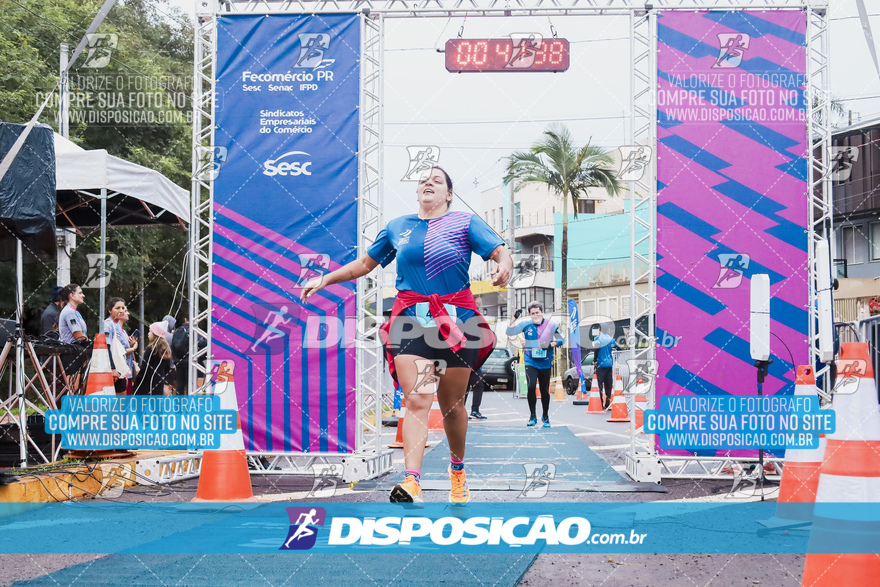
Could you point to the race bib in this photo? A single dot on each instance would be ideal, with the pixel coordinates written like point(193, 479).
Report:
point(423, 314)
point(539, 354)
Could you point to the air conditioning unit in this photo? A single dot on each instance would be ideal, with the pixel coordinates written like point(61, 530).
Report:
point(537, 262)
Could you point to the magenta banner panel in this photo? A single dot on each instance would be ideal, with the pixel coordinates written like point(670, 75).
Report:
point(732, 199)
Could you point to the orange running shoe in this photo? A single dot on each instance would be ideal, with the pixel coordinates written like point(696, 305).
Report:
point(459, 492)
point(407, 492)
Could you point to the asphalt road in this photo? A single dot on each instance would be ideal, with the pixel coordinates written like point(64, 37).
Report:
point(607, 439)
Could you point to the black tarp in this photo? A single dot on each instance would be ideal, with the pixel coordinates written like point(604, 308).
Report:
point(27, 193)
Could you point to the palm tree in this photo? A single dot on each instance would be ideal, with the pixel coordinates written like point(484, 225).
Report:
point(568, 171)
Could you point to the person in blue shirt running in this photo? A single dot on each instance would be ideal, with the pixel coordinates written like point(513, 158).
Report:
point(436, 335)
point(604, 363)
point(542, 336)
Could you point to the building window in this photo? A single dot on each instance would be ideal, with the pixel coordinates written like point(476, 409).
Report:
point(523, 297)
point(588, 308)
point(624, 306)
point(875, 241)
point(548, 299)
point(613, 308)
point(602, 307)
point(851, 238)
point(517, 214)
point(586, 206)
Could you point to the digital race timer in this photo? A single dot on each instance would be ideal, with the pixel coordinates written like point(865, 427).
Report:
point(510, 54)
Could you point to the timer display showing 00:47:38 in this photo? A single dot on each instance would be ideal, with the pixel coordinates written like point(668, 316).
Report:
point(483, 55)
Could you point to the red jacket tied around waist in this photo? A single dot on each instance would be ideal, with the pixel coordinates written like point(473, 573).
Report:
point(449, 330)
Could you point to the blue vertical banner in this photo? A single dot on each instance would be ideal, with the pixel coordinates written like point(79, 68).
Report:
point(285, 212)
point(574, 337)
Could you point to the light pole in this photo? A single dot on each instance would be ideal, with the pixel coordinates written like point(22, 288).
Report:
point(511, 243)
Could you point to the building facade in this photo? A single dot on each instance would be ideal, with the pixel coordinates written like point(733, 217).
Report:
point(855, 179)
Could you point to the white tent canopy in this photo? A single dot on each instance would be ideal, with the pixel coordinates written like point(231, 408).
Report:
point(139, 195)
point(80, 170)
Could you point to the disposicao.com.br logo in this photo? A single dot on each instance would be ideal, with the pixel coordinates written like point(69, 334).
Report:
point(474, 531)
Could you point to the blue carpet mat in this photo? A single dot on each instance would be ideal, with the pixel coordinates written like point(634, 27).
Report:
point(222, 570)
point(504, 459)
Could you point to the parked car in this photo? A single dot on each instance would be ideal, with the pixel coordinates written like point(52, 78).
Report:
point(571, 380)
point(499, 367)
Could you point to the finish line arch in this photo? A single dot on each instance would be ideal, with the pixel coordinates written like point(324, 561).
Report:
point(361, 453)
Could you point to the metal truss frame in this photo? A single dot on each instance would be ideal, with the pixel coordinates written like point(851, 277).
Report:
point(643, 463)
point(690, 467)
point(640, 464)
point(201, 225)
point(819, 142)
point(368, 459)
point(473, 8)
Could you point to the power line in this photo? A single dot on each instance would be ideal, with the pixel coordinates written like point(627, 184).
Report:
point(616, 117)
point(850, 17)
point(859, 98)
point(441, 34)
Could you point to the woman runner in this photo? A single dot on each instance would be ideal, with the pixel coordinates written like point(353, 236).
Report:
point(436, 331)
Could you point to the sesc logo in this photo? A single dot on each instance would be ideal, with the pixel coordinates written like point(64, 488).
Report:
point(274, 167)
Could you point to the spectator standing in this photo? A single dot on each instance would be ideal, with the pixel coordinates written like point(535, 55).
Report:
point(604, 363)
point(180, 356)
point(112, 328)
point(170, 324)
point(49, 319)
point(129, 350)
point(71, 325)
point(73, 331)
point(155, 370)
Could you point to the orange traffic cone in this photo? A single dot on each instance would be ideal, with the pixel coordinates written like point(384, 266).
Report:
point(800, 476)
point(640, 403)
point(224, 475)
point(581, 399)
point(558, 391)
point(619, 413)
point(398, 439)
point(639, 399)
point(100, 379)
point(435, 417)
point(849, 474)
point(595, 406)
point(99, 382)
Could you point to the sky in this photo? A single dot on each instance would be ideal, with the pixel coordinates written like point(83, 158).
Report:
point(477, 118)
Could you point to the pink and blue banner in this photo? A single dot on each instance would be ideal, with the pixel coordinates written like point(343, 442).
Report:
point(732, 198)
point(285, 211)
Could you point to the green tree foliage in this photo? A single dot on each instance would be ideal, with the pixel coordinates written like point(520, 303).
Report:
point(153, 57)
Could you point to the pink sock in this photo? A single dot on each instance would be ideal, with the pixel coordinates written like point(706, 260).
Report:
point(457, 464)
point(417, 473)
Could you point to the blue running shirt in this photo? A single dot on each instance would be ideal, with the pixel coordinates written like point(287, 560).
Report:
point(433, 256)
point(604, 344)
point(534, 355)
